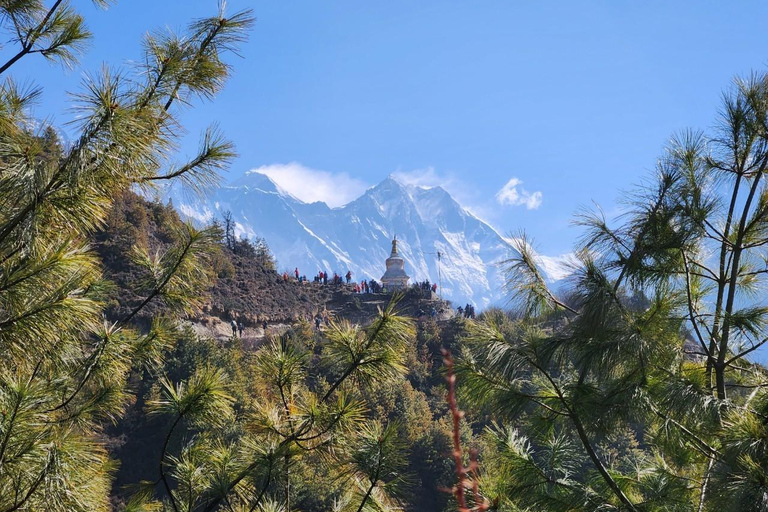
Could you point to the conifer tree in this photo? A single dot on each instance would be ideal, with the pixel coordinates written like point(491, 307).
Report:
point(65, 368)
point(607, 402)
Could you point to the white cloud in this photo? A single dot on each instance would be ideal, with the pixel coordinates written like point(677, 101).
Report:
point(310, 185)
point(513, 194)
point(424, 178)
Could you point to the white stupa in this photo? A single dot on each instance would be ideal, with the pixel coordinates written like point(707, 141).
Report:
point(395, 277)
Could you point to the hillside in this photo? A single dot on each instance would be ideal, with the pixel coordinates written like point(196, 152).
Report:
point(248, 288)
point(246, 283)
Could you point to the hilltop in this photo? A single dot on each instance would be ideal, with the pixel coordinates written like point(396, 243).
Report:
point(247, 287)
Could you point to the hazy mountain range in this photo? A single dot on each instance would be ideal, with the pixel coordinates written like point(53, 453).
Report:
point(358, 235)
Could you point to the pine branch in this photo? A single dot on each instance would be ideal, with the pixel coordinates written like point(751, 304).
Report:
point(39, 480)
point(691, 314)
point(263, 491)
point(748, 351)
point(189, 243)
point(584, 438)
point(720, 364)
point(163, 455)
point(31, 39)
point(374, 480)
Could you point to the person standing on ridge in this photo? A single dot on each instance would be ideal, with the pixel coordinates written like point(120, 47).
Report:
point(296, 272)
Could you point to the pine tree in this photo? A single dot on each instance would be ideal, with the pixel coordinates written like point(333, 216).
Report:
point(634, 391)
point(305, 412)
point(65, 369)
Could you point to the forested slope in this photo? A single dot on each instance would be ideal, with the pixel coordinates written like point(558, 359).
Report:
point(247, 285)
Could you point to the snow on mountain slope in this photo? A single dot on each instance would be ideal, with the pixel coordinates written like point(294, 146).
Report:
point(358, 235)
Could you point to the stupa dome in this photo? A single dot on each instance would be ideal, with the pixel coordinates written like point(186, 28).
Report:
point(395, 277)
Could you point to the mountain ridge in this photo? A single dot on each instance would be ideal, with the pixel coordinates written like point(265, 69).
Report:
point(357, 236)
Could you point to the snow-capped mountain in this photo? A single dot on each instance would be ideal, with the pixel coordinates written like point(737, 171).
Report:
point(358, 235)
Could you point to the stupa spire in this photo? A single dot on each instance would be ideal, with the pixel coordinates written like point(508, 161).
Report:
point(395, 277)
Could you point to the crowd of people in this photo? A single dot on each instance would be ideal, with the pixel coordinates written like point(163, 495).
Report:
point(238, 327)
point(468, 311)
point(322, 318)
point(336, 280)
point(300, 278)
point(426, 287)
point(422, 314)
point(368, 286)
point(371, 286)
point(324, 278)
point(321, 277)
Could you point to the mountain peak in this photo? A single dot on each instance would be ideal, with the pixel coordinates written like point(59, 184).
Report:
point(390, 182)
point(255, 180)
point(388, 188)
point(357, 237)
point(395, 183)
point(437, 190)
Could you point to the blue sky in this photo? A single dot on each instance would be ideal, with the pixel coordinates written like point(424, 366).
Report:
point(574, 101)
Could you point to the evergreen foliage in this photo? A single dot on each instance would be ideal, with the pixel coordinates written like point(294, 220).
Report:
point(634, 391)
point(65, 368)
